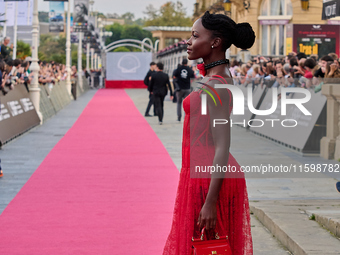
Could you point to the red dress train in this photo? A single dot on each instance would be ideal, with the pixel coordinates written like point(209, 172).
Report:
point(233, 217)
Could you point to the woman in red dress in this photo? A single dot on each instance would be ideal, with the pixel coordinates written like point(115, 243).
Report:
point(218, 203)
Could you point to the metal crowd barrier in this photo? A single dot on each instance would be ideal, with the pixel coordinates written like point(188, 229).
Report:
point(54, 99)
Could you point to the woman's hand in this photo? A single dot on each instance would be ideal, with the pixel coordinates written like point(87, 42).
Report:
point(333, 67)
point(208, 216)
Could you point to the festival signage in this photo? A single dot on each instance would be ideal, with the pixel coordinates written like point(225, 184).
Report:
point(80, 15)
point(17, 113)
point(24, 12)
point(316, 39)
point(330, 9)
point(56, 16)
point(127, 69)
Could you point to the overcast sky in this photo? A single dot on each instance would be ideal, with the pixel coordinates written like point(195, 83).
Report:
point(122, 6)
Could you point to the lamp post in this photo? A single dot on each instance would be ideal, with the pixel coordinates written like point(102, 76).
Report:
point(91, 3)
point(5, 23)
point(227, 7)
point(34, 86)
point(15, 28)
point(88, 57)
point(92, 58)
point(68, 48)
point(100, 26)
point(305, 5)
point(98, 58)
point(80, 61)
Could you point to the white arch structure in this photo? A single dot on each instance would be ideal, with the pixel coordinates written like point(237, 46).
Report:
point(131, 42)
point(144, 41)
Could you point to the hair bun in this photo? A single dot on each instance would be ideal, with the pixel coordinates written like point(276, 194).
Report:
point(244, 36)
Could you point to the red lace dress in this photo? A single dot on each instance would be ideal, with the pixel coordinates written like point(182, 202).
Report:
point(233, 217)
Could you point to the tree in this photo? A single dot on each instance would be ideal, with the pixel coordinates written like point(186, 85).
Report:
point(134, 32)
point(101, 15)
point(113, 16)
point(120, 32)
point(43, 16)
point(23, 50)
point(116, 30)
point(170, 14)
point(121, 49)
point(74, 57)
point(128, 18)
point(140, 22)
point(151, 12)
point(52, 47)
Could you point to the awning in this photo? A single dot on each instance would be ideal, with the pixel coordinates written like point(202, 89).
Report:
point(330, 9)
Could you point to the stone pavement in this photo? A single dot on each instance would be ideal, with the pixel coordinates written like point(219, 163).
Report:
point(22, 156)
point(281, 206)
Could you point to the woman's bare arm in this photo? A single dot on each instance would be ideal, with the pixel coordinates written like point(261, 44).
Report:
point(221, 140)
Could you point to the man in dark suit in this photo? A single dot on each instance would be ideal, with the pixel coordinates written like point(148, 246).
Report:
point(147, 83)
point(183, 75)
point(159, 84)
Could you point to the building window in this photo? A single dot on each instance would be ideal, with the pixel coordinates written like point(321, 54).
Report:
point(275, 14)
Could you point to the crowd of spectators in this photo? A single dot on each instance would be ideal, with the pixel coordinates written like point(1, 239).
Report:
point(17, 72)
point(294, 70)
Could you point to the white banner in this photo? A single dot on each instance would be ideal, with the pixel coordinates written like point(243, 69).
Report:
point(131, 66)
point(81, 15)
point(25, 12)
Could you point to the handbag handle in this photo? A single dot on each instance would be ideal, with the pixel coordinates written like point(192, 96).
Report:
point(202, 234)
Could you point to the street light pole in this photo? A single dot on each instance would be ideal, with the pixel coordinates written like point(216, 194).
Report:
point(34, 86)
point(5, 24)
point(92, 58)
point(80, 61)
point(15, 28)
point(68, 48)
point(88, 57)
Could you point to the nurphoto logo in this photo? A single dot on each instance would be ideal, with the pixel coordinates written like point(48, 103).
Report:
point(239, 105)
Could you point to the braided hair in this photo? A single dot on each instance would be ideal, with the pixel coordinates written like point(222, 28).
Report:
point(241, 35)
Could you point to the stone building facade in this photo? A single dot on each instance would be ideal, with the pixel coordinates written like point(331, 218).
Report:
point(272, 21)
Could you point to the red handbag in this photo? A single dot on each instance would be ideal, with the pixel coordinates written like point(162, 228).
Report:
point(219, 246)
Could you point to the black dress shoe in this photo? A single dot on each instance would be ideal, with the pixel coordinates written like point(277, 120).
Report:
point(147, 115)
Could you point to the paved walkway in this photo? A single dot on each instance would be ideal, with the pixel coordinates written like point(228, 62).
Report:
point(22, 156)
point(265, 194)
point(98, 187)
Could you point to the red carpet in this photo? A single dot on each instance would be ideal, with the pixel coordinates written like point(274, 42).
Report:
point(125, 84)
point(108, 187)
